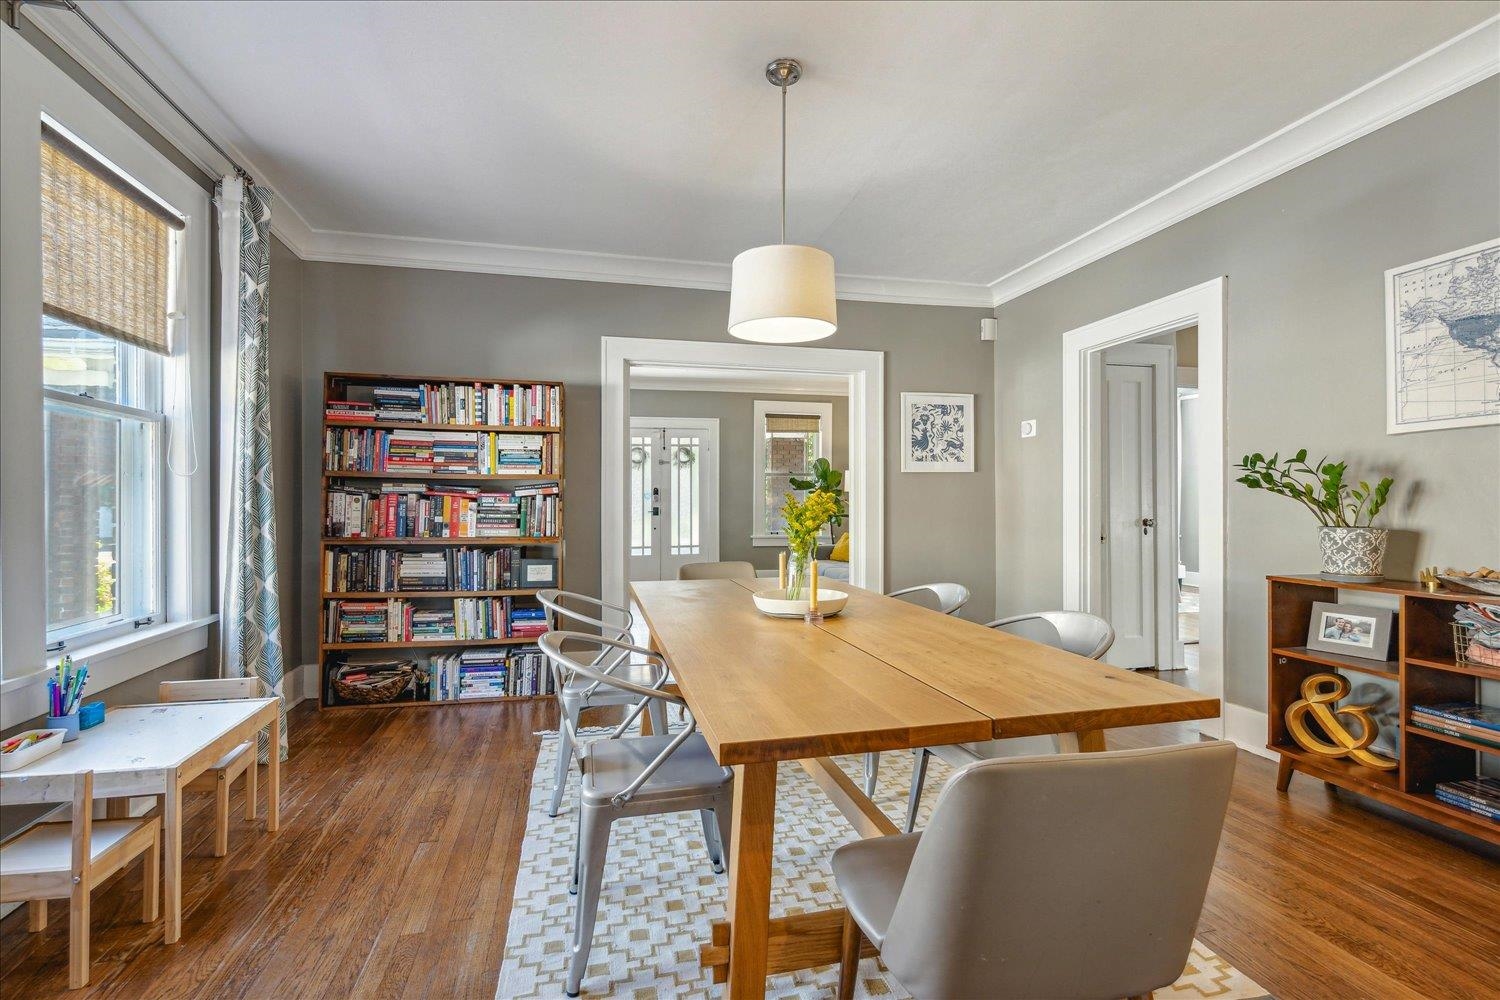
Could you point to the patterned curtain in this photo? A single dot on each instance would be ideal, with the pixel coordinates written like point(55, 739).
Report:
point(252, 613)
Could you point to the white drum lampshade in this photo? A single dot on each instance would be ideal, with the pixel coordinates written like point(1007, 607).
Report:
point(782, 294)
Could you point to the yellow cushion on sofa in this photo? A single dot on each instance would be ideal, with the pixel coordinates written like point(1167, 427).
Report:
point(840, 551)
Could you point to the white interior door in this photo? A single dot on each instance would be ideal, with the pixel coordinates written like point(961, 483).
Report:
point(674, 495)
point(1130, 533)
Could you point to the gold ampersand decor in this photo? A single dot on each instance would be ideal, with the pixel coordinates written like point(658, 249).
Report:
point(1319, 693)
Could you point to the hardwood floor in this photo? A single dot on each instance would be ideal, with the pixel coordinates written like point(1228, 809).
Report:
point(393, 871)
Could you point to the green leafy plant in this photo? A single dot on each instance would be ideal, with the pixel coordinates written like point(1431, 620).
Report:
point(1321, 487)
point(826, 479)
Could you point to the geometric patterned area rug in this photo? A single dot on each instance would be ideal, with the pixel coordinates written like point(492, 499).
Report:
point(660, 894)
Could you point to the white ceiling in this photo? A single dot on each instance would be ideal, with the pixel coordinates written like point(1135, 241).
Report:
point(930, 142)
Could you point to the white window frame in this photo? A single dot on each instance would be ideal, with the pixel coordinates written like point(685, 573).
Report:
point(34, 88)
point(763, 407)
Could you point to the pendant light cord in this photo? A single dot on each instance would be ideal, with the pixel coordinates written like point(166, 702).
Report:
point(783, 162)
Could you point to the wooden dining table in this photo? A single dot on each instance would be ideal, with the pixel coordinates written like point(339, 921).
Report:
point(883, 675)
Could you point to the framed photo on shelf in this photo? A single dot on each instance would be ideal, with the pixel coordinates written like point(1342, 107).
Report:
point(937, 432)
point(1351, 630)
point(538, 573)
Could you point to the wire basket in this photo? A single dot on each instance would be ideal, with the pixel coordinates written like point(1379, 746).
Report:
point(1463, 640)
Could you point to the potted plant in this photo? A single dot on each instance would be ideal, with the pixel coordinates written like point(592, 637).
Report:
point(1353, 550)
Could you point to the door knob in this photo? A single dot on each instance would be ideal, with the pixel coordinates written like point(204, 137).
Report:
point(1147, 523)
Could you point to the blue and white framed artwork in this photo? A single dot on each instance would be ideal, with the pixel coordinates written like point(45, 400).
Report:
point(937, 432)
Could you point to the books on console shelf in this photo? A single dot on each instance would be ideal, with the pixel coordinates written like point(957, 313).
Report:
point(492, 403)
point(1464, 713)
point(414, 510)
point(1480, 795)
point(489, 673)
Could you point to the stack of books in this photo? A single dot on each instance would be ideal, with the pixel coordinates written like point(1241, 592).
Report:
point(1480, 796)
point(347, 410)
point(428, 624)
point(520, 454)
point(421, 571)
point(359, 621)
point(398, 402)
point(1476, 723)
point(526, 621)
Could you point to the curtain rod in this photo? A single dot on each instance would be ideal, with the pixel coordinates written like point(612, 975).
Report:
point(13, 8)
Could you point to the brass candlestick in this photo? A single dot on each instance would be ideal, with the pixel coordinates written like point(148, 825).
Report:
point(781, 573)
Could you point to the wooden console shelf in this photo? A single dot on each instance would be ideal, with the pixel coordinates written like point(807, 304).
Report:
point(1426, 671)
point(358, 465)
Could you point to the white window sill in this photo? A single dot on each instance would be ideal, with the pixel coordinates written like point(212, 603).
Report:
point(768, 541)
point(111, 661)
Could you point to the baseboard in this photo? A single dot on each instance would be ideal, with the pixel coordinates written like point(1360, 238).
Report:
point(1246, 729)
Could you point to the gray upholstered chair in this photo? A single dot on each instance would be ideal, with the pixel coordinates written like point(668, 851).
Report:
point(631, 776)
point(566, 609)
point(1077, 632)
point(1068, 876)
point(944, 598)
point(716, 571)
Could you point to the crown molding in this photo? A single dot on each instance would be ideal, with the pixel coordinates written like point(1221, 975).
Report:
point(1458, 63)
point(581, 265)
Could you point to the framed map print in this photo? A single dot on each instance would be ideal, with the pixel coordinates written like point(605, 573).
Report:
point(1442, 331)
point(937, 432)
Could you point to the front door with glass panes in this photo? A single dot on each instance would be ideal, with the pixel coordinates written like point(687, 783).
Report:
point(674, 495)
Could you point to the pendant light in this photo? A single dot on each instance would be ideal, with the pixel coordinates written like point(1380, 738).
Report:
point(783, 293)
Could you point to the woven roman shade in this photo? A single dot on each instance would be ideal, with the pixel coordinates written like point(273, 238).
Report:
point(106, 249)
point(791, 422)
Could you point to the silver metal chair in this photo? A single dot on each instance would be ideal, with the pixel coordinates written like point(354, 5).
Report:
point(1074, 631)
point(944, 598)
point(631, 776)
point(716, 571)
point(564, 609)
point(1068, 877)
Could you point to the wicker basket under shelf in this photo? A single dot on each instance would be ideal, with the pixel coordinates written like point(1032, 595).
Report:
point(373, 694)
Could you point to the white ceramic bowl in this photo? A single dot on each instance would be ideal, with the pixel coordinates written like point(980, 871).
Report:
point(775, 604)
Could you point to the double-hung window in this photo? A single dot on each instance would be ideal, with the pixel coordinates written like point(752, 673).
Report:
point(110, 261)
point(789, 437)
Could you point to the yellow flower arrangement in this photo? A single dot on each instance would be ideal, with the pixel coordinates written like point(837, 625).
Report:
point(805, 520)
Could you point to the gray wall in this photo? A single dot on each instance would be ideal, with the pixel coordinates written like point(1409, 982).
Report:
point(735, 412)
point(1305, 254)
point(405, 320)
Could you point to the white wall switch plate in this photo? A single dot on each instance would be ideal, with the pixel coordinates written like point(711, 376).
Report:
point(1028, 428)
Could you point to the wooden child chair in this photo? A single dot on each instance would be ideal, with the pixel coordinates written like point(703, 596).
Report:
point(67, 860)
point(240, 760)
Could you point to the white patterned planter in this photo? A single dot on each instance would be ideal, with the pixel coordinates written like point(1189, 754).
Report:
point(1353, 555)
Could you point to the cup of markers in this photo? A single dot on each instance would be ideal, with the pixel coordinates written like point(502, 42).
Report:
point(64, 692)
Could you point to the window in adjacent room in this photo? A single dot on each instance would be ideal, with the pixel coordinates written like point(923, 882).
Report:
point(789, 436)
point(109, 264)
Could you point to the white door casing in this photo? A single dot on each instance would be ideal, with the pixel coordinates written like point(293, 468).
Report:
point(1206, 306)
point(865, 374)
point(674, 494)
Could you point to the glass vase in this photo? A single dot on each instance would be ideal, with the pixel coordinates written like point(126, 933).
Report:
point(798, 573)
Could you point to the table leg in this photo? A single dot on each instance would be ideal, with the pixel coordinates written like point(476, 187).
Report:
point(273, 775)
point(750, 843)
point(1085, 741)
point(171, 823)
